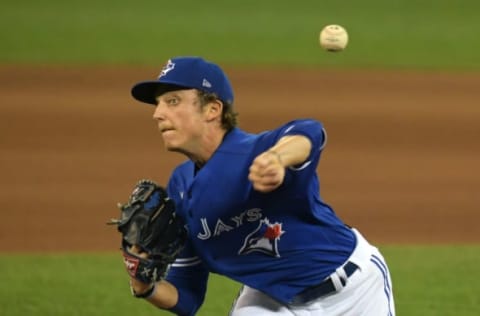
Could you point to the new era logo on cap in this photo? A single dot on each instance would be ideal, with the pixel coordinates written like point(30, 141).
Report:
point(206, 84)
point(186, 73)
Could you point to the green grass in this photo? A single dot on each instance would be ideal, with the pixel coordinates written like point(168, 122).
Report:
point(83, 284)
point(435, 280)
point(428, 281)
point(395, 33)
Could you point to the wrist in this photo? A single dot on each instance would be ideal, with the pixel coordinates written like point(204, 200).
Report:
point(276, 154)
point(149, 292)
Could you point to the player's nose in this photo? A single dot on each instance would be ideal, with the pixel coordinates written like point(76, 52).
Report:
point(159, 113)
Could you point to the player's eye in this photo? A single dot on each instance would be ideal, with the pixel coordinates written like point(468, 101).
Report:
point(173, 101)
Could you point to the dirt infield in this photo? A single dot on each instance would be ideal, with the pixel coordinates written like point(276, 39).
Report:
point(401, 162)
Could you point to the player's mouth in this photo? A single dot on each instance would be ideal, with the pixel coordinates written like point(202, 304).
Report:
point(163, 127)
point(166, 130)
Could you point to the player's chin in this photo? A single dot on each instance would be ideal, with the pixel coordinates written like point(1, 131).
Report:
point(170, 146)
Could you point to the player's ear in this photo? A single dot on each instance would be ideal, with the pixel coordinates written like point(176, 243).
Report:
point(214, 110)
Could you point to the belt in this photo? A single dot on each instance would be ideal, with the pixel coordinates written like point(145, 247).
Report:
point(325, 287)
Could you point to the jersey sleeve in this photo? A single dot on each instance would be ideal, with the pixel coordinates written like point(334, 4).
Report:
point(187, 273)
point(311, 129)
point(298, 177)
point(190, 277)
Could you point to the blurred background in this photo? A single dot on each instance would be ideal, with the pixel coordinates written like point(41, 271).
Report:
point(400, 105)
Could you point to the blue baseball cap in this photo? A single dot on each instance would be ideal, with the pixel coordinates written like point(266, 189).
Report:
point(185, 73)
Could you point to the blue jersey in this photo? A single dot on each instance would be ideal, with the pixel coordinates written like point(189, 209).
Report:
point(279, 242)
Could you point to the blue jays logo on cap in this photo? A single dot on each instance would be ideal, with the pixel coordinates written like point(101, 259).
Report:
point(185, 73)
point(169, 66)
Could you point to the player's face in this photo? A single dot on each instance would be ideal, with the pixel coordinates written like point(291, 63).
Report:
point(180, 120)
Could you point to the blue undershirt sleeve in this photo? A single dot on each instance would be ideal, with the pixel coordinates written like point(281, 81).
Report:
point(187, 273)
point(190, 277)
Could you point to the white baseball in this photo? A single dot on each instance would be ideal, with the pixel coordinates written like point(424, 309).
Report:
point(333, 38)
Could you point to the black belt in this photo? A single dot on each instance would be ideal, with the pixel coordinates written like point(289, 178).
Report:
point(324, 288)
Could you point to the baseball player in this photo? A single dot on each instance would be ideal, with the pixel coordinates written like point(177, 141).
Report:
point(252, 209)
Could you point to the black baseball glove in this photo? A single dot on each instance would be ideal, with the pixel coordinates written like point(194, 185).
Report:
point(148, 224)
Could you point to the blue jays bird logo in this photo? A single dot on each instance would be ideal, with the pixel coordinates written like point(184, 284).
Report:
point(169, 66)
point(263, 239)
